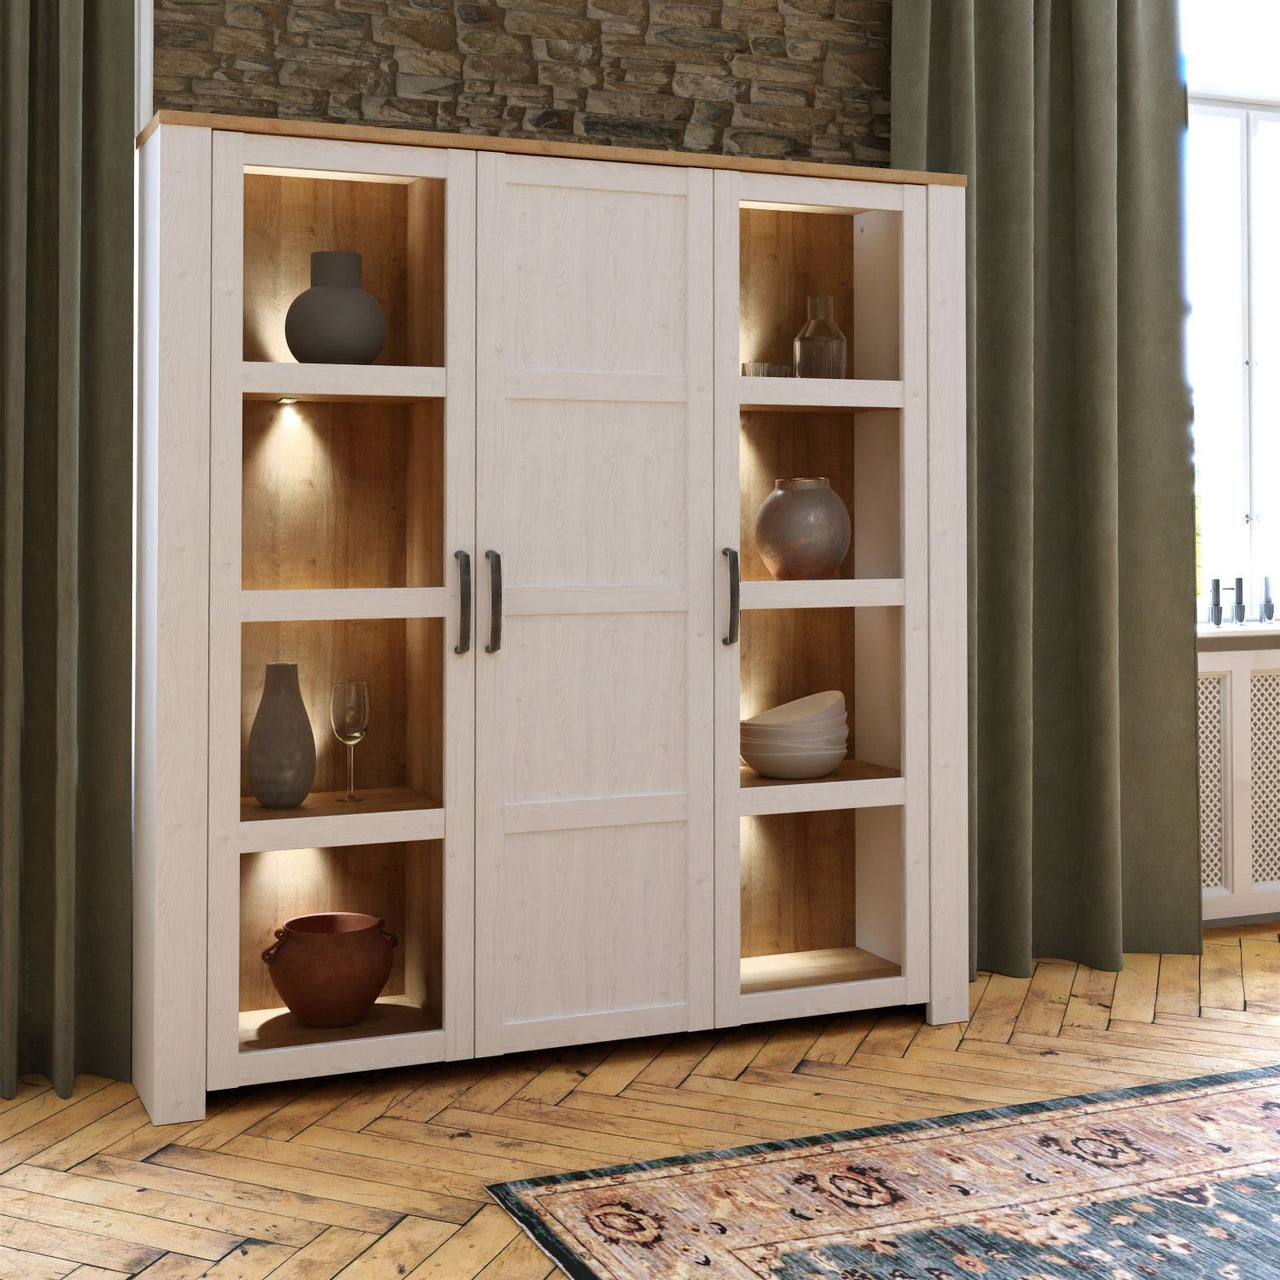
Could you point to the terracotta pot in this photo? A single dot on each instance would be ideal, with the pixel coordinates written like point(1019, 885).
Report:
point(802, 529)
point(330, 967)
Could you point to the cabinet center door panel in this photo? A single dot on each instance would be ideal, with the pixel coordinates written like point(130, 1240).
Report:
point(594, 716)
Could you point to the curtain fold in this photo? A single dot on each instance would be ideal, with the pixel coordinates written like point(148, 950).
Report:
point(66, 577)
point(1067, 116)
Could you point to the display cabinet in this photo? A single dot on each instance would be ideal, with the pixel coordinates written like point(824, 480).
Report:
point(827, 886)
point(528, 528)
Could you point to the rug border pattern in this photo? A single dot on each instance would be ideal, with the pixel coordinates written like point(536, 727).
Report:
point(507, 1194)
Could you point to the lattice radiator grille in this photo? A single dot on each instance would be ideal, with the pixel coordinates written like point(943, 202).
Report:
point(1210, 693)
point(1264, 751)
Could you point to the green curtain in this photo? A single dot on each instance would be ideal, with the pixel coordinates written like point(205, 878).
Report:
point(1067, 116)
point(66, 360)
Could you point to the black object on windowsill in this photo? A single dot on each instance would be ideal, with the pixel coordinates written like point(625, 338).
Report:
point(1237, 610)
point(1215, 601)
point(1268, 610)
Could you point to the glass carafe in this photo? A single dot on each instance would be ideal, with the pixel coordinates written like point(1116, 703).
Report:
point(820, 346)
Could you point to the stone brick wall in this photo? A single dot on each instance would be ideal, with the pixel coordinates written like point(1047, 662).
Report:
point(796, 78)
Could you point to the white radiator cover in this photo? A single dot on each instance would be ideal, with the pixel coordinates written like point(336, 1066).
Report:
point(1238, 697)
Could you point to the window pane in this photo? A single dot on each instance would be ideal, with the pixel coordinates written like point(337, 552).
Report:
point(1216, 340)
point(1265, 183)
point(1230, 47)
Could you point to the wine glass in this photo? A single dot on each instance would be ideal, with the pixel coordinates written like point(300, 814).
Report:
point(349, 715)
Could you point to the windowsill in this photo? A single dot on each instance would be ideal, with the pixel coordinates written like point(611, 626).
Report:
point(1245, 630)
point(1237, 636)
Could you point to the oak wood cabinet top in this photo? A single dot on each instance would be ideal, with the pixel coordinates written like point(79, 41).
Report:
point(539, 147)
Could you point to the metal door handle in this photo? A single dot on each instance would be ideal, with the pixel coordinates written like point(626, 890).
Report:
point(464, 602)
point(735, 596)
point(495, 602)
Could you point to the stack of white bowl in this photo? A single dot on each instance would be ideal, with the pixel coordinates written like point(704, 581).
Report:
point(802, 739)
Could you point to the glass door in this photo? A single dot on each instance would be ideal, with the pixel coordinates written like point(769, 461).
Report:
point(341, 679)
point(821, 696)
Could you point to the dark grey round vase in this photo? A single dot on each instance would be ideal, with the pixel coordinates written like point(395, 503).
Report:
point(335, 321)
point(802, 529)
point(282, 748)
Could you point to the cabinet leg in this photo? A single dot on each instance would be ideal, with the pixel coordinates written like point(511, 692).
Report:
point(948, 1006)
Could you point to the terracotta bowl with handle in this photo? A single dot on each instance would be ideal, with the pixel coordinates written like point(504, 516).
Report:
point(330, 967)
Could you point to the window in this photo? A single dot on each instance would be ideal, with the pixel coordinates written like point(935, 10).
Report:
point(1233, 286)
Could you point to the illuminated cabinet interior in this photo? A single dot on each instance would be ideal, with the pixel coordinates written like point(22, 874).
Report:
point(528, 528)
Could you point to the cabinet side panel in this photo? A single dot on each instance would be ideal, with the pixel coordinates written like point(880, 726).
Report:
point(172, 575)
point(459, 681)
point(948, 613)
point(226, 321)
point(727, 534)
point(918, 575)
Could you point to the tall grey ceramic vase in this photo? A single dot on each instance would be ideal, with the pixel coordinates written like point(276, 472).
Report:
point(282, 748)
point(335, 321)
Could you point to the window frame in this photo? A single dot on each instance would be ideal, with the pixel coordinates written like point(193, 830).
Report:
point(1247, 111)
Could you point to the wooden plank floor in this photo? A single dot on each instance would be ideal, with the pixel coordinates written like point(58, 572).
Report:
point(383, 1175)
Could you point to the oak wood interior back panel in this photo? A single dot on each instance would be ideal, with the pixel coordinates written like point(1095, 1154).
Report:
point(401, 884)
point(341, 495)
point(790, 653)
point(788, 257)
point(286, 219)
point(779, 445)
point(426, 271)
point(424, 705)
point(375, 651)
point(279, 884)
point(425, 565)
point(798, 882)
point(424, 941)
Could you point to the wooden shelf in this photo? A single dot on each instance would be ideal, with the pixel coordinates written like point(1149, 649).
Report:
point(343, 603)
point(850, 771)
point(803, 394)
point(327, 804)
point(272, 380)
point(854, 785)
point(813, 968)
point(324, 819)
point(279, 1029)
point(831, 593)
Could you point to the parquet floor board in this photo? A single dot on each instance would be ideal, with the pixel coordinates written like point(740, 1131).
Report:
point(1045, 1007)
point(1089, 1004)
point(520, 1260)
point(1135, 993)
point(892, 1034)
point(997, 1013)
point(384, 1173)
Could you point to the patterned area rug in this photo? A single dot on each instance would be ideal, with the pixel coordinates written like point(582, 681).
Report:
point(1159, 1181)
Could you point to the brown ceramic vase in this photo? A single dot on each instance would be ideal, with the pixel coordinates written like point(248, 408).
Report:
point(802, 529)
point(329, 968)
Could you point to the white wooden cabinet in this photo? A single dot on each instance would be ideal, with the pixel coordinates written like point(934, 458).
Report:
point(514, 526)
